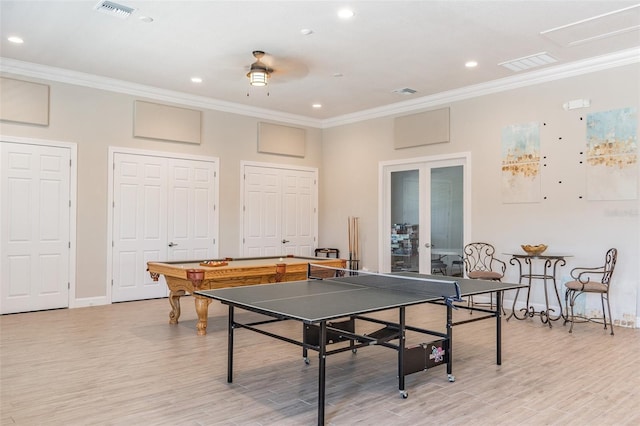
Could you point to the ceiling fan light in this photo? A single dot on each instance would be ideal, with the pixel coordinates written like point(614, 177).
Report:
point(258, 77)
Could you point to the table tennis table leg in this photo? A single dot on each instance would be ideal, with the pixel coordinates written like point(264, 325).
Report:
point(322, 357)
point(230, 346)
point(401, 349)
point(499, 329)
point(450, 375)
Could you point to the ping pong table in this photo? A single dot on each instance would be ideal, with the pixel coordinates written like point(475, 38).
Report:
point(329, 304)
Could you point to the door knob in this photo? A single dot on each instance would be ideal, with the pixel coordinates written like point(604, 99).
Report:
point(427, 245)
point(284, 241)
point(172, 244)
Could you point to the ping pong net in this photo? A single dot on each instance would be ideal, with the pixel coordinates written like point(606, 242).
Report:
point(447, 290)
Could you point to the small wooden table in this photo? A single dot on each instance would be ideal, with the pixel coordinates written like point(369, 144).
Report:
point(186, 277)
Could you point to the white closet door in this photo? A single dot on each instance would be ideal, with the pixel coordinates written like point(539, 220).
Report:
point(191, 218)
point(298, 221)
point(279, 212)
point(35, 227)
point(139, 225)
point(262, 212)
point(164, 209)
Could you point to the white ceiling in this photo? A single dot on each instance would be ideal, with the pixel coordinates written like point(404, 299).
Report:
point(387, 45)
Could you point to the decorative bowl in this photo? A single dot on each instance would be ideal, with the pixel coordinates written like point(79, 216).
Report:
point(534, 250)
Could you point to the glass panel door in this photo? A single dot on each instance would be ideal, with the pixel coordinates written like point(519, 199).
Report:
point(447, 220)
point(405, 220)
point(423, 217)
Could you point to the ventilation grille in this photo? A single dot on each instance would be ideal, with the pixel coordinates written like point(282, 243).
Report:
point(114, 9)
point(533, 61)
point(404, 91)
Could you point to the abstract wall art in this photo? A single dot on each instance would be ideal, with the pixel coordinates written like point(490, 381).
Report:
point(612, 155)
point(521, 163)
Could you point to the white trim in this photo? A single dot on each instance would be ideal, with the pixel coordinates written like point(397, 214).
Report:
point(73, 196)
point(29, 69)
point(149, 153)
point(465, 157)
point(86, 302)
point(572, 69)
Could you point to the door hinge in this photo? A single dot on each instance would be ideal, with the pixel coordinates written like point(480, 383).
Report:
point(69, 244)
point(111, 283)
point(68, 286)
point(69, 162)
point(69, 203)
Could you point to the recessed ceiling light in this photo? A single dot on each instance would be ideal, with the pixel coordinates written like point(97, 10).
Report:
point(316, 105)
point(15, 39)
point(196, 80)
point(146, 19)
point(471, 64)
point(306, 31)
point(345, 13)
point(338, 74)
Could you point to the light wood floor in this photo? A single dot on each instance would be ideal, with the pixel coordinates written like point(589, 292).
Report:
point(123, 364)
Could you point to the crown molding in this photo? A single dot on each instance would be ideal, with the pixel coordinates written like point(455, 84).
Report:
point(598, 63)
point(617, 59)
point(32, 70)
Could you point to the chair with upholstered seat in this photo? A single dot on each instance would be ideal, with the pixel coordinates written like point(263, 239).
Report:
point(480, 263)
point(591, 280)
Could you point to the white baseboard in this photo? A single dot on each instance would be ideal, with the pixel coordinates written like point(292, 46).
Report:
point(89, 301)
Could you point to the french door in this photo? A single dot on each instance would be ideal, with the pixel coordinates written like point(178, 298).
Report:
point(424, 222)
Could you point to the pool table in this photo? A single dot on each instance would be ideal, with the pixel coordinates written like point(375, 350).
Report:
point(188, 276)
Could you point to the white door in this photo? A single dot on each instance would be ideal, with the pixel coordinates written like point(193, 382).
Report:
point(191, 210)
point(279, 211)
point(163, 209)
point(35, 227)
point(298, 224)
point(139, 225)
point(424, 205)
point(262, 212)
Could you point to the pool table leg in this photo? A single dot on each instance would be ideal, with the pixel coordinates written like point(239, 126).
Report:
point(174, 301)
point(202, 309)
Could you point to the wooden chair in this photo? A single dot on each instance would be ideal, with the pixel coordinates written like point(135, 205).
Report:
point(591, 280)
point(481, 264)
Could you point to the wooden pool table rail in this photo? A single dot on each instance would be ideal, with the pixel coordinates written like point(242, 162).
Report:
point(185, 277)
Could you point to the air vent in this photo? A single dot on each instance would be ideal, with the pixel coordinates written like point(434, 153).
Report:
point(521, 64)
point(404, 91)
point(114, 9)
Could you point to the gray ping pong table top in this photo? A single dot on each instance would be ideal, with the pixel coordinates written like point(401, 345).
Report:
point(313, 301)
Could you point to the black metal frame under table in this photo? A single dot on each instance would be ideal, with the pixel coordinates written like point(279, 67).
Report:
point(551, 264)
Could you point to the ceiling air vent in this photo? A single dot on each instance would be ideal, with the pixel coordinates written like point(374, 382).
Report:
point(404, 91)
point(114, 9)
point(521, 64)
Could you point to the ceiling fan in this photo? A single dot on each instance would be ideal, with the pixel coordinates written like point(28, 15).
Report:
point(259, 73)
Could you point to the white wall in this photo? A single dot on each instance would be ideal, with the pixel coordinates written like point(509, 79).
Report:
point(96, 119)
point(569, 225)
point(348, 158)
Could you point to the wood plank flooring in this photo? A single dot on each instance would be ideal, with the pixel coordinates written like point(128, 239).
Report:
point(123, 364)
